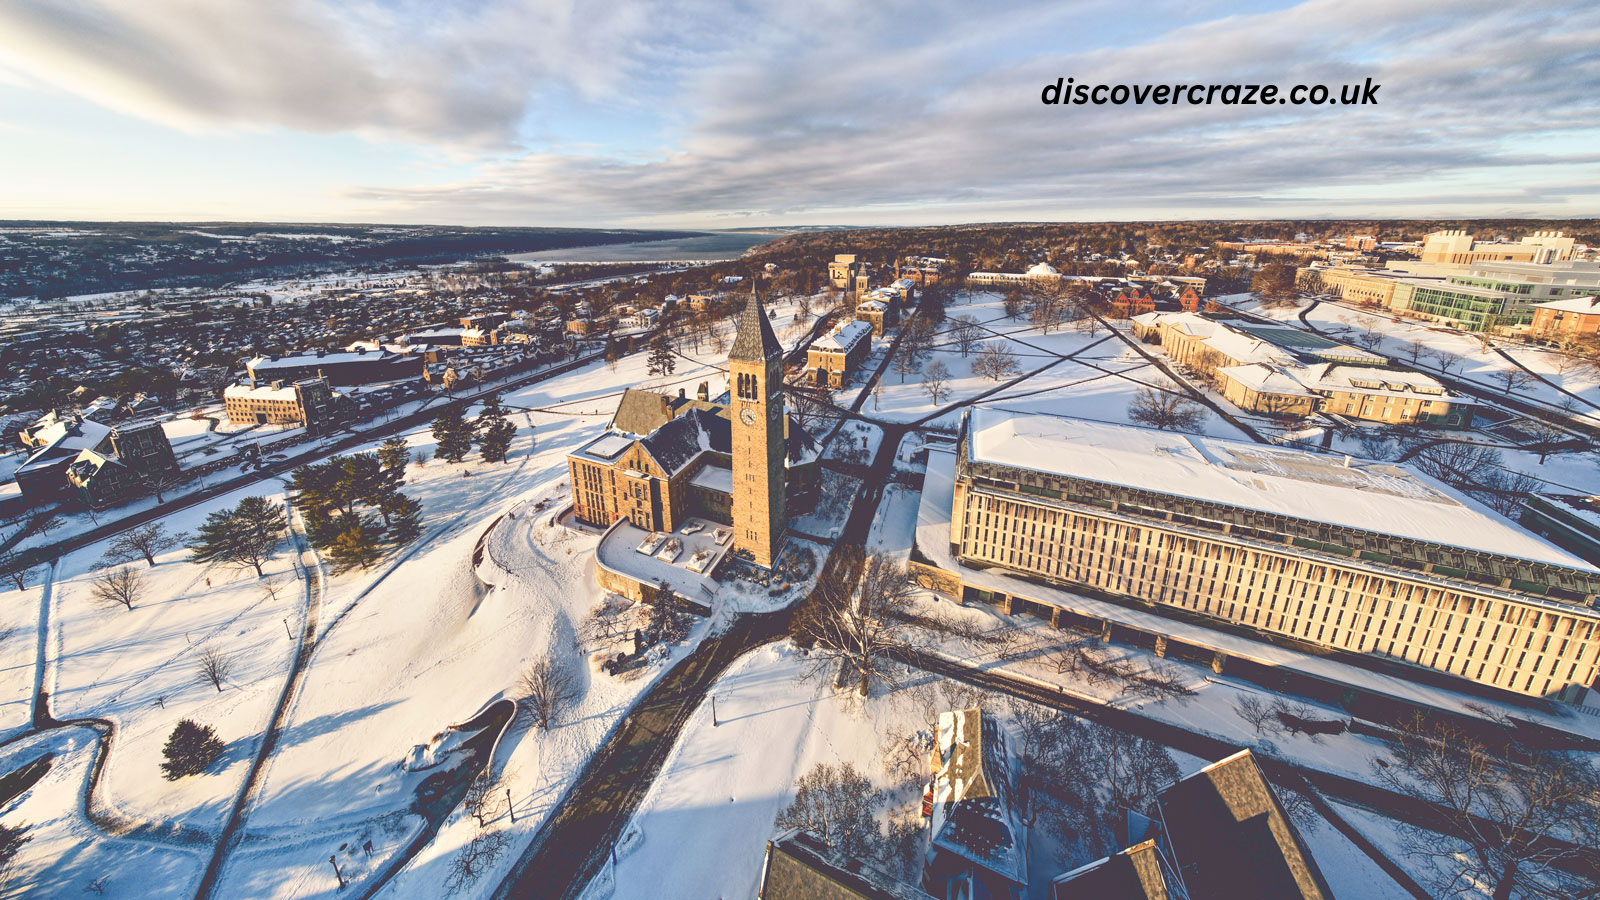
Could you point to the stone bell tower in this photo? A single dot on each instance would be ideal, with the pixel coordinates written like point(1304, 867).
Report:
point(755, 383)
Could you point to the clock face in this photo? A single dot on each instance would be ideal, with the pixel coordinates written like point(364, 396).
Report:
point(748, 415)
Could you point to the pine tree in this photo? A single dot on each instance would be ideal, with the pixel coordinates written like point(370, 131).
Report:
point(661, 360)
point(453, 434)
point(494, 431)
point(358, 546)
point(191, 747)
point(242, 536)
point(404, 516)
point(395, 455)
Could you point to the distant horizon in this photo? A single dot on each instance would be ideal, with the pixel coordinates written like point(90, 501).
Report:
point(10, 222)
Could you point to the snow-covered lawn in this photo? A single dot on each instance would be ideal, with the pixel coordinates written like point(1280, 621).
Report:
point(65, 854)
point(1098, 381)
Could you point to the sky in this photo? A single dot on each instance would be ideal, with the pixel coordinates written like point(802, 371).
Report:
point(678, 113)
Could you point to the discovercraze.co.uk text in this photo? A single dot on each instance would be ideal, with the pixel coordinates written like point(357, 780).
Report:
point(1065, 93)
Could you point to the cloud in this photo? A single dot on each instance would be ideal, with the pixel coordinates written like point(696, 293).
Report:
point(839, 111)
point(452, 76)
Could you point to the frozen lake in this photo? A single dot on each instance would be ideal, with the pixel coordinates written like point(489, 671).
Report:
point(709, 246)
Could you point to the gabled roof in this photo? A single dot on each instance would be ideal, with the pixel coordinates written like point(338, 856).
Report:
point(1131, 874)
point(1231, 838)
point(801, 867)
point(642, 412)
point(755, 340)
point(972, 799)
point(677, 443)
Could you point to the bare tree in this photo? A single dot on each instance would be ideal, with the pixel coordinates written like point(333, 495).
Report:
point(17, 565)
point(935, 380)
point(1166, 410)
point(213, 668)
point(122, 586)
point(1513, 380)
point(906, 360)
point(1522, 813)
point(1414, 350)
point(857, 617)
point(143, 542)
point(1459, 464)
point(474, 859)
point(965, 332)
point(549, 688)
point(483, 799)
point(837, 805)
point(995, 362)
point(1257, 712)
point(1444, 359)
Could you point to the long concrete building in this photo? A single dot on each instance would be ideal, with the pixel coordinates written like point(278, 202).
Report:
point(1356, 559)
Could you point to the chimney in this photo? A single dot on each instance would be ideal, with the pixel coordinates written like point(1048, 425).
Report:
point(1347, 460)
point(277, 385)
point(681, 394)
point(704, 391)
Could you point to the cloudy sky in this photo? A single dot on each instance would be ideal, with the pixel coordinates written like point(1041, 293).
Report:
point(706, 114)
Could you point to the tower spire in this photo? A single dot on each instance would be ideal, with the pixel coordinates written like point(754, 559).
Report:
point(755, 340)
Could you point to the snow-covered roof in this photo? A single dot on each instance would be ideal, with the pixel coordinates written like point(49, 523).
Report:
point(1586, 305)
point(1042, 269)
point(844, 337)
point(317, 359)
point(972, 814)
point(1379, 497)
point(1266, 379)
point(1382, 382)
point(714, 478)
point(258, 392)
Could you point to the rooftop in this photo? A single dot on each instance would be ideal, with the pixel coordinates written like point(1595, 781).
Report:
point(1373, 496)
point(844, 337)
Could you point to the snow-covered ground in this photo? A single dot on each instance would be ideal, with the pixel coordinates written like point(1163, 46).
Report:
point(1091, 375)
point(725, 783)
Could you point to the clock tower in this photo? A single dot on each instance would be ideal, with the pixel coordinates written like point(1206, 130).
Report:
point(755, 387)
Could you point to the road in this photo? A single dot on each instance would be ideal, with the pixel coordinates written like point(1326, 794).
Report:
point(572, 844)
point(82, 539)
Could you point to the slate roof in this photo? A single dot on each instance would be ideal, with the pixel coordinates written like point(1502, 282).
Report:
point(972, 814)
point(1231, 838)
point(755, 340)
point(801, 867)
point(1131, 874)
point(677, 443)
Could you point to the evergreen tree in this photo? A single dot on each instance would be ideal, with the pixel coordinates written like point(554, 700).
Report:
point(395, 455)
point(453, 433)
point(191, 747)
point(661, 360)
point(494, 431)
point(358, 546)
point(404, 516)
point(243, 536)
point(12, 837)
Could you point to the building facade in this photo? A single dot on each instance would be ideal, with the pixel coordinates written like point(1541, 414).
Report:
point(755, 376)
point(308, 402)
point(1355, 557)
point(833, 357)
point(666, 459)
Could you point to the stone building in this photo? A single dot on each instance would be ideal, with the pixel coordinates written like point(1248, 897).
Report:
point(1369, 562)
point(833, 357)
point(308, 402)
point(743, 462)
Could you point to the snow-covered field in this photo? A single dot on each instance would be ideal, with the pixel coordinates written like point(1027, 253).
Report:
point(1069, 372)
